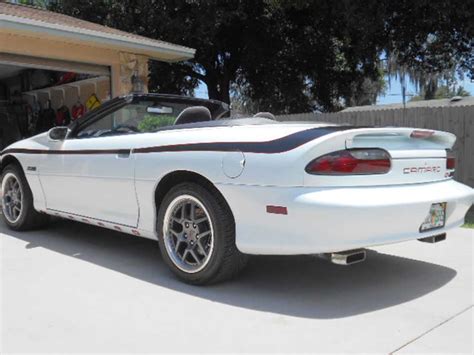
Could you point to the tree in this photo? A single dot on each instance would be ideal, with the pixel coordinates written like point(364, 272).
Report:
point(430, 42)
point(294, 55)
point(171, 79)
point(326, 55)
point(220, 31)
point(284, 57)
point(443, 92)
point(431, 36)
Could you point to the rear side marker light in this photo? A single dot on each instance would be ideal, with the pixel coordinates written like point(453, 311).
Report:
point(351, 162)
point(421, 134)
point(277, 209)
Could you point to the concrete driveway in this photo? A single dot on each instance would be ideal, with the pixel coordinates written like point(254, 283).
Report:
point(77, 288)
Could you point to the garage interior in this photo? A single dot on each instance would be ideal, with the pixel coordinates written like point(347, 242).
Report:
point(38, 94)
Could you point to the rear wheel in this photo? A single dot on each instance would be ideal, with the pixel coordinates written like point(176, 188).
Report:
point(17, 201)
point(197, 235)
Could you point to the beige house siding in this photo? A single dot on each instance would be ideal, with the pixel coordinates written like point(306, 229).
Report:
point(122, 64)
point(132, 64)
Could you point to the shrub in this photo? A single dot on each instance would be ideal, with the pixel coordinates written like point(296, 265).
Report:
point(151, 123)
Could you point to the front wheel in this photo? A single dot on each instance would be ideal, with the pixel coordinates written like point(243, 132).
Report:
point(197, 235)
point(17, 201)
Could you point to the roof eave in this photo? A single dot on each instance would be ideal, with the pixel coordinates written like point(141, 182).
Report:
point(160, 51)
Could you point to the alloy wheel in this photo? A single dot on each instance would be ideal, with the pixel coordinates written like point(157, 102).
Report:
point(188, 233)
point(12, 199)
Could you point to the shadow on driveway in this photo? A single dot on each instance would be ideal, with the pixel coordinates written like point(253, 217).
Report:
point(300, 286)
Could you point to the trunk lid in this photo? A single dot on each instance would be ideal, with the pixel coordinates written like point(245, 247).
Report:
point(417, 156)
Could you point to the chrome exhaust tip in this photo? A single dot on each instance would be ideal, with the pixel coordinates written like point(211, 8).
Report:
point(433, 239)
point(347, 257)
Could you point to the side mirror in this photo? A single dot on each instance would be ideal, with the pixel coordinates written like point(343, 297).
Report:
point(58, 133)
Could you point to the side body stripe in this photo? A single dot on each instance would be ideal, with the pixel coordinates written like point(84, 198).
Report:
point(279, 145)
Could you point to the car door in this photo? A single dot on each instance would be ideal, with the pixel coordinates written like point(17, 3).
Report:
point(92, 176)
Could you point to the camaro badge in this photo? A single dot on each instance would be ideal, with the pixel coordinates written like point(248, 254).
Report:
point(422, 169)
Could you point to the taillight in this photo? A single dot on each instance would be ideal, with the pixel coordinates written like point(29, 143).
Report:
point(351, 162)
point(451, 163)
point(450, 160)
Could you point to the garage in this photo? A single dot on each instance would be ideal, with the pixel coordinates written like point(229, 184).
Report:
point(55, 68)
point(36, 95)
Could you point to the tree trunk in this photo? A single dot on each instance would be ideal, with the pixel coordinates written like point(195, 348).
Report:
point(220, 91)
point(224, 90)
point(430, 90)
point(212, 91)
point(218, 85)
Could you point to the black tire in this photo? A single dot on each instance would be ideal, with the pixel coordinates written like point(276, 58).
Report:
point(28, 218)
point(225, 261)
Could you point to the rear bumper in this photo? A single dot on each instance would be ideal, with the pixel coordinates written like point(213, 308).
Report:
point(334, 219)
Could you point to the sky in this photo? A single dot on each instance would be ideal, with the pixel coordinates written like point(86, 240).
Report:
point(394, 91)
point(392, 96)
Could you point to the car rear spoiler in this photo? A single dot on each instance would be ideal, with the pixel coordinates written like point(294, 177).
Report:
point(402, 137)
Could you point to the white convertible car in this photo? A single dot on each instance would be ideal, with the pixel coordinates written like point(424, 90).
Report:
point(213, 190)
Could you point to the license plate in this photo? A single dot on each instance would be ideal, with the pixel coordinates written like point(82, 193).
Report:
point(435, 218)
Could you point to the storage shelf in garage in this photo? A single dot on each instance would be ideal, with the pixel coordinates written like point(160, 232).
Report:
point(75, 84)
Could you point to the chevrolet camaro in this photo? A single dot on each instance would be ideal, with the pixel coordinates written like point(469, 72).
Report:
point(213, 190)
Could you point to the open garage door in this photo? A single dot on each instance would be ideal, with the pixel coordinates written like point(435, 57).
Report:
point(53, 64)
point(37, 94)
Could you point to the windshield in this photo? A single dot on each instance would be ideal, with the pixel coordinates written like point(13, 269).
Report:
point(141, 114)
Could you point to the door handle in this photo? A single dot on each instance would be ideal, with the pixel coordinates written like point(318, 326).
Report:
point(123, 153)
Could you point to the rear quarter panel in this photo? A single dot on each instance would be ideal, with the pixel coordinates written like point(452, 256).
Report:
point(259, 169)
